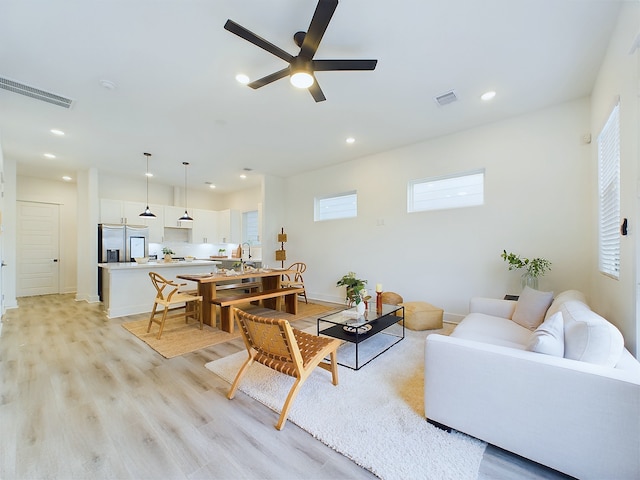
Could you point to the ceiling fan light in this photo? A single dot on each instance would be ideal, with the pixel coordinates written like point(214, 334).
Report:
point(301, 79)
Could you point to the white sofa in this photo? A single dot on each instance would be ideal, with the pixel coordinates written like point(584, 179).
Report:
point(579, 415)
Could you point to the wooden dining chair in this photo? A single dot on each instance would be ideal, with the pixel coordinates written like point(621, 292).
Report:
point(275, 344)
point(297, 280)
point(169, 297)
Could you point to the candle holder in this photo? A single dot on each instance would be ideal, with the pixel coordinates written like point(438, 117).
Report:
point(378, 303)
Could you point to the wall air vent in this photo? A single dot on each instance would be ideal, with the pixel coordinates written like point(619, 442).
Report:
point(446, 98)
point(33, 92)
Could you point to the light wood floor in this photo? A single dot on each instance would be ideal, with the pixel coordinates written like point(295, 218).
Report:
point(83, 398)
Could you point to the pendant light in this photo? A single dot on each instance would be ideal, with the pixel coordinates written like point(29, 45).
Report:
point(147, 211)
point(185, 217)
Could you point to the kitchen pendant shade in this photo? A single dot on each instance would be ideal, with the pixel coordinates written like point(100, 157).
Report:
point(147, 211)
point(185, 217)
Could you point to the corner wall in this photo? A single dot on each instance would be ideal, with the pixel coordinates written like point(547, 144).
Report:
point(619, 76)
point(538, 191)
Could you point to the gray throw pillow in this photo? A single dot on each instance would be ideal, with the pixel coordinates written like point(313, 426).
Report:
point(531, 308)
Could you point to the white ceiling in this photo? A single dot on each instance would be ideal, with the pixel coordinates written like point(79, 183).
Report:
point(174, 66)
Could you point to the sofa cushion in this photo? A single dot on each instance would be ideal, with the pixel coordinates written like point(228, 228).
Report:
point(532, 307)
point(481, 327)
point(564, 297)
point(548, 338)
point(588, 337)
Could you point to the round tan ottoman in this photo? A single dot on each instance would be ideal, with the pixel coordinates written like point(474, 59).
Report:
point(422, 316)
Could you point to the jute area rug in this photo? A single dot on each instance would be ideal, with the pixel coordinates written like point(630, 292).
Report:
point(375, 416)
point(179, 337)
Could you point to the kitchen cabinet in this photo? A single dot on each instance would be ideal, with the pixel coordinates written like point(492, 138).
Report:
point(156, 225)
point(205, 226)
point(229, 226)
point(171, 216)
point(120, 212)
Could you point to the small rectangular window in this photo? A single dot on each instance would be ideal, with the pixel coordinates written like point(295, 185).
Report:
point(250, 231)
point(609, 195)
point(332, 207)
point(450, 191)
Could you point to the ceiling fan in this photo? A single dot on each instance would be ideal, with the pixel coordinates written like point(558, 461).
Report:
point(302, 67)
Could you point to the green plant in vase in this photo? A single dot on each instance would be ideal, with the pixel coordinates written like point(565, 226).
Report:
point(533, 268)
point(356, 289)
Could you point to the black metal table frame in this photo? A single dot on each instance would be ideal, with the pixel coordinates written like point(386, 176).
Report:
point(378, 324)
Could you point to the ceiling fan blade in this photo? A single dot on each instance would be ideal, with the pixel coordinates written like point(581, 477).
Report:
point(316, 91)
point(261, 82)
point(319, 23)
point(249, 36)
point(326, 65)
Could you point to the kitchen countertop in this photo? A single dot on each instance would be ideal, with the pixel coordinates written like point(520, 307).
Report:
point(157, 264)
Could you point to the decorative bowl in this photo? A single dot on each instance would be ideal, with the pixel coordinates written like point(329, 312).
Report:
point(141, 260)
point(189, 259)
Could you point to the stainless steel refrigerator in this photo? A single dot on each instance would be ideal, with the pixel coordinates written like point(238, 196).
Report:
point(120, 243)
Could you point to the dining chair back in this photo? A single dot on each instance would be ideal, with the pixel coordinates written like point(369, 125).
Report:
point(275, 344)
point(297, 280)
point(169, 297)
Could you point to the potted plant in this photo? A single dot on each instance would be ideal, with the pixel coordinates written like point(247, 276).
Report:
point(356, 291)
point(167, 254)
point(533, 268)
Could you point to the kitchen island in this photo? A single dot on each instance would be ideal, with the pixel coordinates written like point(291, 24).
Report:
point(127, 288)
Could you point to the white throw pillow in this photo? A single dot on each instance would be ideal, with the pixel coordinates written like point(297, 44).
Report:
point(531, 307)
point(548, 338)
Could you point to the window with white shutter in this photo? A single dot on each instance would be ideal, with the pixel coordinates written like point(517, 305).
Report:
point(609, 195)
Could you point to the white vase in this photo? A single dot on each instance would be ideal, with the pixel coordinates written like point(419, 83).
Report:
point(360, 308)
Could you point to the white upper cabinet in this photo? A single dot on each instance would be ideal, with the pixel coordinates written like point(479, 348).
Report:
point(205, 226)
point(171, 216)
point(118, 211)
point(229, 226)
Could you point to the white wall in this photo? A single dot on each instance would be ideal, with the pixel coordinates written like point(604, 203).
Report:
point(64, 194)
point(135, 190)
point(537, 204)
point(619, 77)
point(9, 224)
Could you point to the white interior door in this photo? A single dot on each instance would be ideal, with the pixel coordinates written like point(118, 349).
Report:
point(37, 250)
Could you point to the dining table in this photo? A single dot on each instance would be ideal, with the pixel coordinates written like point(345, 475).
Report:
point(269, 280)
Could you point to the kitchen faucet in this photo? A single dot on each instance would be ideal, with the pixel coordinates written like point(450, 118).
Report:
point(248, 248)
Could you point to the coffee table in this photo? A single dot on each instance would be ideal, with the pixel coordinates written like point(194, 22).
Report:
point(366, 337)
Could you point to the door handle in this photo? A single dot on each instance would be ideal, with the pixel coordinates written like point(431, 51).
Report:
point(55, 260)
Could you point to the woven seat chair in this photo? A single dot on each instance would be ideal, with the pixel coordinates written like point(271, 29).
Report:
point(275, 344)
point(297, 280)
point(168, 297)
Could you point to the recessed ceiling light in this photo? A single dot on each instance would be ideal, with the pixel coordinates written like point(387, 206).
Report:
point(351, 140)
point(243, 176)
point(60, 133)
point(211, 185)
point(49, 155)
point(149, 174)
point(242, 78)
point(67, 178)
point(488, 95)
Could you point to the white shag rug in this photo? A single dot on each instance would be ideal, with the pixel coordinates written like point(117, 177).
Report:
point(375, 416)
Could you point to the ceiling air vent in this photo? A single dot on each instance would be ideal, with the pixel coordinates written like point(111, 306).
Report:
point(36, 93)
point(446, 98)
